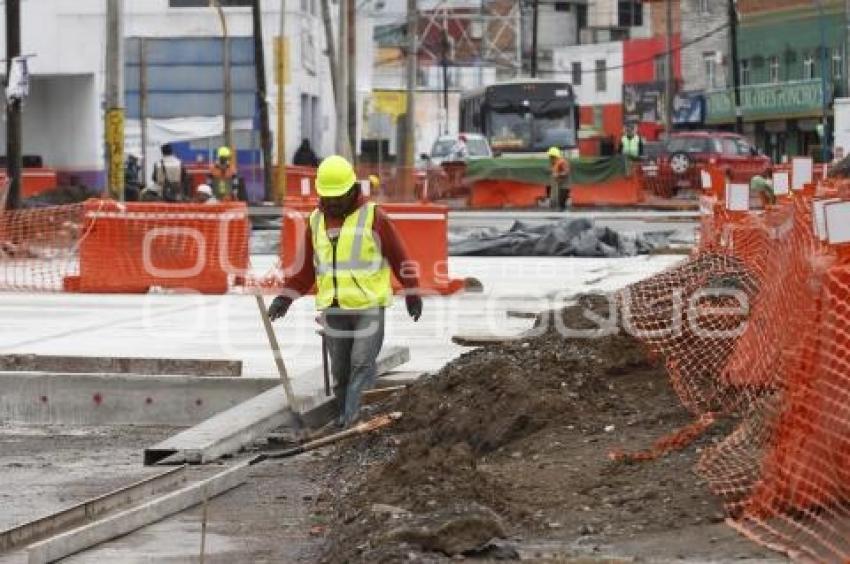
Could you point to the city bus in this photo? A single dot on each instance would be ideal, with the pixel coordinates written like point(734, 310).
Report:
point(522, 117)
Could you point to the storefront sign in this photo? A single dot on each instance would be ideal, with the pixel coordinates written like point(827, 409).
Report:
point(643, 102)
point(766, 101)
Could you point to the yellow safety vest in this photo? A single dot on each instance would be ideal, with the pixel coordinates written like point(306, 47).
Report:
point(352, 272)
point(631, 147)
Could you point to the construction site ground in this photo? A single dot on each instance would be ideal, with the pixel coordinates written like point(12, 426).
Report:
point(535, 423)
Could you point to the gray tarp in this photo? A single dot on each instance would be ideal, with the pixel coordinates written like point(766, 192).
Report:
point(567, 238)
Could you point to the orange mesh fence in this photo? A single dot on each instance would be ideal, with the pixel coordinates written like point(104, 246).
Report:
point(755, 326)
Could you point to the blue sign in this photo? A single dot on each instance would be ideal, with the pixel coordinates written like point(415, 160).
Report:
point(688, 107)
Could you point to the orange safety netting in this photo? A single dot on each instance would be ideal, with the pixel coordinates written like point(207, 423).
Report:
point(755, 326)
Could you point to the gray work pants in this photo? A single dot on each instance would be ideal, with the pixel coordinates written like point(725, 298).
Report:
point(354, 339)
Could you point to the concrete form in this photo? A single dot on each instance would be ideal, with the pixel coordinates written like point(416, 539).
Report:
point(120, 365)
point(231, 430)
point(120, 399)
point(89, 510)
point(125, 522)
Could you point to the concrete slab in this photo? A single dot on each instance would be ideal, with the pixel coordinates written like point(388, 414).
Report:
point(229, 431)
point(120, 365)
point(125, 522)
point(115, 399)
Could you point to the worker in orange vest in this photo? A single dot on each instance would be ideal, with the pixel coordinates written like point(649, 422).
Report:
point(559, 189)
point(222, 176)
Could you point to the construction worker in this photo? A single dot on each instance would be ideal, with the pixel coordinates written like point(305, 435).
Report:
point(763, 186)
point(559, 188)
point(170, 175)
point(222, 176)
point(631, 145)
point(350, 252)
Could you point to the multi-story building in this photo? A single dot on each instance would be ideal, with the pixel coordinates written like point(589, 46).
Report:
point(178, 75)
point(792, 63)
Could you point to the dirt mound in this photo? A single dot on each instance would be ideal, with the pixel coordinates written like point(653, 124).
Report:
point(524, 430)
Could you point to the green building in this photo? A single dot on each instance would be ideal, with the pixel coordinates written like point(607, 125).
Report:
point(782, 70)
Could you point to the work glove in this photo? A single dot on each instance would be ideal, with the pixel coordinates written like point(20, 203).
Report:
point(414, 306)
point(279, 307)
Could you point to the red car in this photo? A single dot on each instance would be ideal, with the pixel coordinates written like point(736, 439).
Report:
point(677, 162)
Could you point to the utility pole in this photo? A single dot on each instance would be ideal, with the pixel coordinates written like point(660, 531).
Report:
point(262, 103)
point(444, 44)
point(410, 117)
point(535, 23)
point(225, 64)
point(736, 75)
point(668, 71)
point(14, 142)
point(343, 141)
point(114, 119)
point(351, 21)
point(282, 69)
point(336, 83)
point(824, 85)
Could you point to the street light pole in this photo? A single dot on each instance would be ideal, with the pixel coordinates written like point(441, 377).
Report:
point(114, 122)
point(736, 75)
point(823, 81)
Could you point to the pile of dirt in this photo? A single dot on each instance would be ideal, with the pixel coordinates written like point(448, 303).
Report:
point(522, 431)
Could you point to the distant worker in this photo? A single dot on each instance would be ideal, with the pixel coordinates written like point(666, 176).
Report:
point(305, 156)
point(222, 176)
point(170, 175)
point(132, 178)
point(204, 195)
point(763, 186)
point(559, 187)
point(459, 151)
point(631, 144)
point(349, 251)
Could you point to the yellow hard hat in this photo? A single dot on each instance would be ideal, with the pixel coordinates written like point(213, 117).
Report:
point(223, 152)
point(334, 177)
point(554, 152)
point(374, 181)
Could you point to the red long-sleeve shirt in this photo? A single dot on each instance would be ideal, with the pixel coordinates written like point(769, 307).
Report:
point(300, 282)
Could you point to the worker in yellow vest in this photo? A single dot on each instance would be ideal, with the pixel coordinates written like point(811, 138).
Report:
point(351, 250)
point(631, 145)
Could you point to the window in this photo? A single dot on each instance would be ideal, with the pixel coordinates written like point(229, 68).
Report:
point(808, 66)
point(581, 16)
point(630, 13)
point(837, 63)
point(773, 69)
point(660, 67)
point(687, 144)
point(308, 51)
point(744, 71)
point(601, 82)
point(709, 65)
point(730, 146)
point(206, 3)
point(704, 6)
point(577, 73)
point(305, 6)
point(562, 6)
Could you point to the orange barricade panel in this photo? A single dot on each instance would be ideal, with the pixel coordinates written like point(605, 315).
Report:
point(131, 247)
point(621, 191)
point(505, 194)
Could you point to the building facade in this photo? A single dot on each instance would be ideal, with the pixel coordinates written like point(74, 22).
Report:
point(63, 121)
point(792, 62)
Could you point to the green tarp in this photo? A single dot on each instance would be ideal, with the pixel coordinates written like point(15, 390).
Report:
point(535, 170)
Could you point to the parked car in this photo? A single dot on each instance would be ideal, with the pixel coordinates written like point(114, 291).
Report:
point(676, 164)
point(445, 168)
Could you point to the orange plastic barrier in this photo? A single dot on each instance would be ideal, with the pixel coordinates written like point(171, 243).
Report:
point(34, 181)
point(505, 194)
point(422, 227)
point(621, 191)
point(132, 247)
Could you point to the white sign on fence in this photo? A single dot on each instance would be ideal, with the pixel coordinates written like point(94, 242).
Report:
point(819, 217)
point(801, 172)
point(781, 183)
point(837, 222)
point(738, 197)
